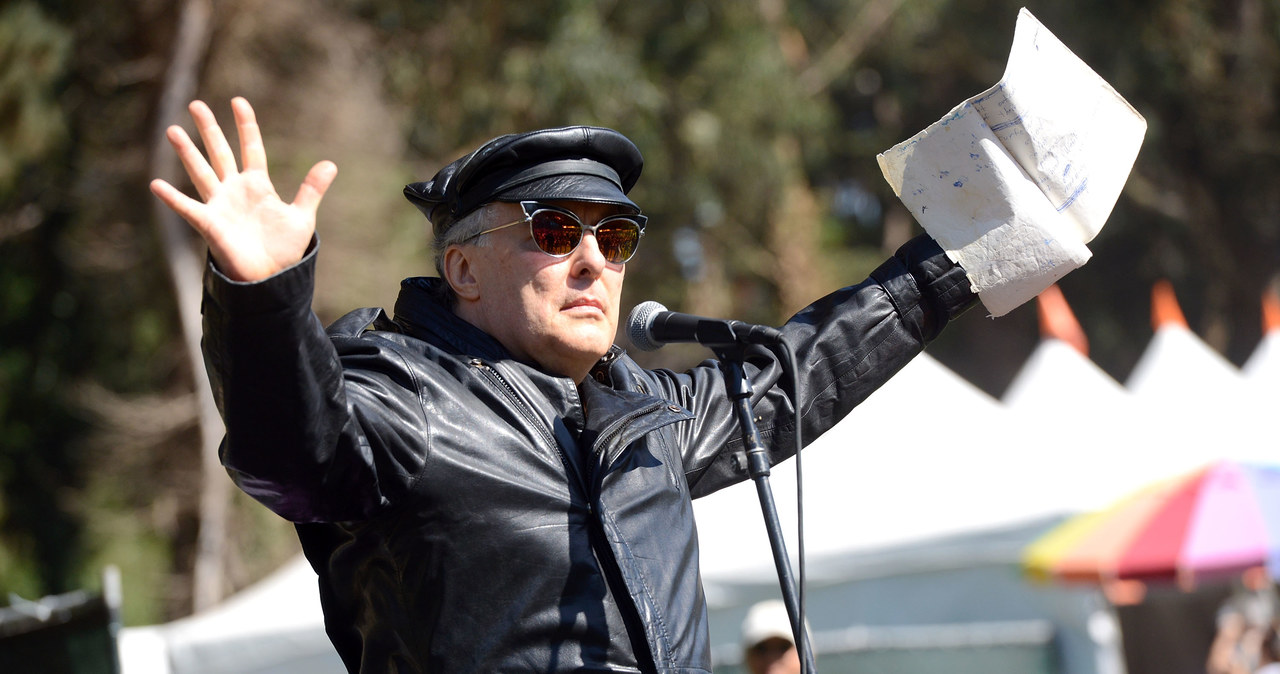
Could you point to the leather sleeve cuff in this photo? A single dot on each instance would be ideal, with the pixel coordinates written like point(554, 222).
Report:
point(943, 283)
point(282, 291)
point(943, 287)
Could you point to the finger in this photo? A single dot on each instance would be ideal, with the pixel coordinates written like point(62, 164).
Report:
point(183, 205)
point(201, 174)
point(252, 151)
point(221, 158)
point(193, 212)
point(317, 182)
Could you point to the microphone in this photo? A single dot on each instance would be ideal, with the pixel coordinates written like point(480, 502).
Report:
point(650, 326)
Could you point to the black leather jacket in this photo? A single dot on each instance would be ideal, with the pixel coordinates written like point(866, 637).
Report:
point(467, 512)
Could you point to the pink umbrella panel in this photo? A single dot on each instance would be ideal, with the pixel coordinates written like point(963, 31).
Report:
point(1215, 522)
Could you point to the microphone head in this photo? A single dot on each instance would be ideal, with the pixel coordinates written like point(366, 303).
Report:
point(639, 322)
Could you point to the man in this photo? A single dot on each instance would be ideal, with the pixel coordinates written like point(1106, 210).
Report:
point(768, 646)
point(483, 482)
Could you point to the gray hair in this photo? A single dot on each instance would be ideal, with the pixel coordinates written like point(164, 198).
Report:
point(458, 233)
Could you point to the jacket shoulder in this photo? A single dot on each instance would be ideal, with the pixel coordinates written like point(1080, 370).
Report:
point(360, 321)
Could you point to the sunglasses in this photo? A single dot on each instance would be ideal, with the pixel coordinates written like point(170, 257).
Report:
point(558, 231)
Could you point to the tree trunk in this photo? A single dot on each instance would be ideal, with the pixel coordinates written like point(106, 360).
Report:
point(794, 233)
point(186, 265)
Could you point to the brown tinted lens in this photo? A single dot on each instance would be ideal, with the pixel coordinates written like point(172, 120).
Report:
point(617, 239)
point(556, 233)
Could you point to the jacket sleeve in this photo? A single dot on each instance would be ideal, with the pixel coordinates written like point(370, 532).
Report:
point(846, 344)
point(297, 437)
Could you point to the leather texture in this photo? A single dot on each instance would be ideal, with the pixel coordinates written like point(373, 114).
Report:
point(467, 513)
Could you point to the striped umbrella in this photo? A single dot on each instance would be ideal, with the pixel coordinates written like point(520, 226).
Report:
point(1215, 522)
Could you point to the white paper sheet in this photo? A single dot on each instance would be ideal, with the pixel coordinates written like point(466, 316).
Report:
point(1015, 181)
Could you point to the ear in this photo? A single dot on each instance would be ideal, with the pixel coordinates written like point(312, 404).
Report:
point(459, 273)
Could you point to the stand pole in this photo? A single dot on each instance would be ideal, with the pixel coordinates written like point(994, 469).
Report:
point(758, 466)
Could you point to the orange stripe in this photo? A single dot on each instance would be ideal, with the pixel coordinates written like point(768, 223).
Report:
point(1164, 306)
point(1270, 311)
point(1057, 320)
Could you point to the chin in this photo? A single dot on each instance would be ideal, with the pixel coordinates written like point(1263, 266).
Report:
point(589, 335)
point(595, 346)
point(597, 351)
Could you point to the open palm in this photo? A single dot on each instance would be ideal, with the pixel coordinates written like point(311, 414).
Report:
point(251, 232)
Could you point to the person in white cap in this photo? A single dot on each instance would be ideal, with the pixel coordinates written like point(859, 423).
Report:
point(768, 646)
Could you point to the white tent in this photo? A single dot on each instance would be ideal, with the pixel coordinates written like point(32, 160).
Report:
point(1058, 377)
point(1196, 405)
point(274, 626)
point(1262, 369)
point(922, 457)
point(1263, 365)
point(1084, 414)
point(917, 508)
point(1087, 430)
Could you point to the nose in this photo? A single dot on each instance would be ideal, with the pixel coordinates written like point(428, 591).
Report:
point(588, 261)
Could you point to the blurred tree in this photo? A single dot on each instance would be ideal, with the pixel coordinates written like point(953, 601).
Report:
point(1207, 75)
point(759, 122)
point(38, 532)
point(99, 456)
point(703, 88)
point(1198, 208)
point(185, 264)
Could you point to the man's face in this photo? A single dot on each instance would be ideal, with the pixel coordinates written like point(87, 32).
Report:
point(561, 313)
point(773, 656)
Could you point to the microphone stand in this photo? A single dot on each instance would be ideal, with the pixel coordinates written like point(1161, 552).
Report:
point(738, 387)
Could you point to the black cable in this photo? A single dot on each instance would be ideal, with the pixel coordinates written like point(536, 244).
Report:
point(803, 647)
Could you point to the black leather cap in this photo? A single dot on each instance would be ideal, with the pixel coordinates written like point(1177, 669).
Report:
point(577, 163)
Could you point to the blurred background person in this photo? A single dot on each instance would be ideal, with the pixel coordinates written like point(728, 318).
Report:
point(768, 646)
point(1245, 641)
point(1269, 653)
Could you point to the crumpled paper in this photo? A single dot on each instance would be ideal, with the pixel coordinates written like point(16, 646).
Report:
point(1014, 182)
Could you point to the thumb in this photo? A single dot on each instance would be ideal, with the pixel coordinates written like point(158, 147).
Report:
point(315, 185)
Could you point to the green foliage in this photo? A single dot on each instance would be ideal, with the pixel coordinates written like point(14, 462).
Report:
point(732, 103)
point(36, 530)
point(83, 304)
point(33, 58)
point(702, 88)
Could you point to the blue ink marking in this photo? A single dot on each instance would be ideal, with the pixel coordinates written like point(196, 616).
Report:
point(958, 183)
point(959, 112)
point(1004, 125)
point(1066, 171)
point(943, 174)
point(984, 99)
point(974, 156)
point(1074, 195)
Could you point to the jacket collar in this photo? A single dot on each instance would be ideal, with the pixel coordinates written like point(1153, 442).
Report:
point(619, 416)
point(418, 309)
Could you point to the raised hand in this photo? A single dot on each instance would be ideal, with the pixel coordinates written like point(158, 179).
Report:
point(250, 231)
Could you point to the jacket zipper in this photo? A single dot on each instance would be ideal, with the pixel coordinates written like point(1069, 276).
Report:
point(605, 439)
point(603, 443)
point(509, 392)
point(607, 435)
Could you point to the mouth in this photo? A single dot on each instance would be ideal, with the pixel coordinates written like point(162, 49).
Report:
point(584, 305)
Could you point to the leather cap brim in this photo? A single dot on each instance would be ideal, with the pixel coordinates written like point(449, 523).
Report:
point(569, 188)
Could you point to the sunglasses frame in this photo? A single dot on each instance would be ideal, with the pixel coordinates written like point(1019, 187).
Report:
point(532, 208)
